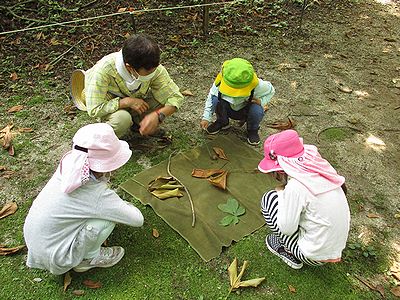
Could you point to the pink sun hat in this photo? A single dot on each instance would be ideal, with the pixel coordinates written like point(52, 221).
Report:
point(95, 147)
point(286, 143)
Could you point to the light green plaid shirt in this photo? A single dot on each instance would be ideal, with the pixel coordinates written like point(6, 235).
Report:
point(103, 79)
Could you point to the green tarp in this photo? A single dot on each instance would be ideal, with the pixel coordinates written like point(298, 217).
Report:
point(244, 184)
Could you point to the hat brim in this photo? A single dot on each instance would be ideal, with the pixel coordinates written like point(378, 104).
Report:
point(113, 163)
point(77, 87)
point(225, 89)
point(268, 165)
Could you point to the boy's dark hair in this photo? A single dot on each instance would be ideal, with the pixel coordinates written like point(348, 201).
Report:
point(141, 51)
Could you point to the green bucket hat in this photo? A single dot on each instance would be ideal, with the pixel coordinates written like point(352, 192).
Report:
point(237, 78)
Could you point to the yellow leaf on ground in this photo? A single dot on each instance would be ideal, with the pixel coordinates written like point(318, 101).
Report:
point(67, 281)
point(8, 209)
point(252, 282)
point(78, 292)
point(187, 93)
point(232, 271)
point(155, 233)
point(15, 108)
point(292, 289)
point(25, 129)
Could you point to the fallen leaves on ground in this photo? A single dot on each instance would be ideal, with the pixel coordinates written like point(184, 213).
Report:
point(13, 76)
point(165, 187)
point(15, 108)
point(292, 289)
point(395, 270)
point(373, 216)
point(379, 288)
point(234, 210)
point(155, 233)
point(92, 284)
point(8, 251)
point(187, 93)
point(345, 89)
point(25, 130)
point(395, 291)
point(220, 153)
point(8, 209)
point(67, 281)
point(6, 173)
point(282, 125)
point(219, 180)
point(78, 292)
point(235, 279)
point(6, 136)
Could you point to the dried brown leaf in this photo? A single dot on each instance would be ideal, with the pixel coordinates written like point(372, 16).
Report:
point(7, 138)
point(220, 153)
point(7, 174)
point(25, 129)
point(122, 9)
point(373, 216)
point(282, 125)
point(205, 173)
point(345, 89)
point(92, 284)
point(2, 168)
point(78, 292)
point(8, 251)
point(15, 108)
point(8, 209)
point(67, 281)
point(292, 289)
point(13, 76)
point(155, 233)
point(187, 93)
point(11, 150)
point(219, 180)
point(380, 289)
point(396, 291)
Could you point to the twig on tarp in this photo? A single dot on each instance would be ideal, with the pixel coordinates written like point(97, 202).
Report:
point(332, 127)
point(186, 189)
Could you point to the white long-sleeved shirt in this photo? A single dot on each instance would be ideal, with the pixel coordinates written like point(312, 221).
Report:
point(263, 91)
point(55, 219)
point(323, 220)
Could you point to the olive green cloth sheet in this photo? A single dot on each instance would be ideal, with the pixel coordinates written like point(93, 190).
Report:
point(244, 183)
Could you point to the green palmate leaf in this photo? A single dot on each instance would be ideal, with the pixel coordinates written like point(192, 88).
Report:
point(229, 219)
point(230, 206)
point(240, 211)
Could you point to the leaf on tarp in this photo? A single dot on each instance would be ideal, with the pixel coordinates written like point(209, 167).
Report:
point(235, 279)
point(92, 284)
point(8, 209)
point(282, 125)
point(155, 233)
point(219, 180)
point(164, 187)
point(220, 153)
point(228, 220)
point(67, 281)
point(205, 173)
point(165, 194)
point(78, 292)
point(234, 210)
point(187, 93)
point(15, 108)
point(291, 288)
point(8, 251)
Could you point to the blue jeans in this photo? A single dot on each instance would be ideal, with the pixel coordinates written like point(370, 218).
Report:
point(252, 113)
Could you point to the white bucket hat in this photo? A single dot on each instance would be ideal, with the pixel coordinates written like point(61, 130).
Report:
point(95, 147)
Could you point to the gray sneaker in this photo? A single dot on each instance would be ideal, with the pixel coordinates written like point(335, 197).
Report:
point(276, 247)
point(107, 257)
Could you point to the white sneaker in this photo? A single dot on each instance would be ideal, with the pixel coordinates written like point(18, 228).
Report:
point(108, 257)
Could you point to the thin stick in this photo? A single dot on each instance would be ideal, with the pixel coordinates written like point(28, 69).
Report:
point(186, 190)
point(58, 58)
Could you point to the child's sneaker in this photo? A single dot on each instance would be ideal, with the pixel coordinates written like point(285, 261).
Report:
point(274, 245)
point(215, 127)
point(252, 137)
point(107, 257)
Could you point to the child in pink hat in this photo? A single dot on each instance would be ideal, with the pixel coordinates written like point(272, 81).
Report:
point(76, 211)
point(308, 214)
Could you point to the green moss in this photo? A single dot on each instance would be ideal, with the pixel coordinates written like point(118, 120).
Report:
point(336, 134)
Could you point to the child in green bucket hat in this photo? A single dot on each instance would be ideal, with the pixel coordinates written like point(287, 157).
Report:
point(237, 93)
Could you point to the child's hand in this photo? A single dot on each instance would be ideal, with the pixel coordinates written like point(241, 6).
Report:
point(203, 124)
point(256, 101)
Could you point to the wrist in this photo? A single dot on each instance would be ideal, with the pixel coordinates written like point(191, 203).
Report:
point(160, 115)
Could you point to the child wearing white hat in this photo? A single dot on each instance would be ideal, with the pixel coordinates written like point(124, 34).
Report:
point(309, 215)
point(76, 211)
